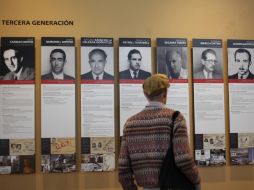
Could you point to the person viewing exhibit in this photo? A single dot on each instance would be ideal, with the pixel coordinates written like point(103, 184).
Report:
point(97, 61)
point(18, 69)
point(243, 62)
point(146, 138)
point(134, 71)
point(57, 61)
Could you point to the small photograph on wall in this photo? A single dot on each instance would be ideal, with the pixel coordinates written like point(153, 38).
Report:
point(214, 141)
point(98, 162)
point(239, 156)
point(97, 59)
point(92, 162)
point(134, 58)
point(57, 58)
point(240, 59)
point(5, 164)
point(22, 147)
point(172, 57)
point(207, 59)
point(17, 59)
point(62, 145)
point(212, 157)
point(27, 164)
point(102, 145)
point(45, 163)
point(62, 163)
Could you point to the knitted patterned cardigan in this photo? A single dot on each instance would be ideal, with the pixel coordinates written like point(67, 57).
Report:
point(144, 144)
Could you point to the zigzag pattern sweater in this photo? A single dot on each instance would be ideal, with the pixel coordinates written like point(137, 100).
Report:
point(145, 142)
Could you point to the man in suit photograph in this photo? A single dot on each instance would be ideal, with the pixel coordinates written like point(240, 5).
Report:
point(57, 61)
point(97, 61)
point(17, 69)
point(243, 61)
point(134, 71)
point(209, 62)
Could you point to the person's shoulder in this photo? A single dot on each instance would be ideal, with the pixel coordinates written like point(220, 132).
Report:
point(198, 74)
point(124, 71)
point(152, 112)
point(125, 74)
point(29, 69)
point(87, 75)
point(234, 76)
point(217, 75)
point(68, 77)
point(47, 76)
point(107, 76)
point(251, 76)
point(28, 73)
point(144, 72)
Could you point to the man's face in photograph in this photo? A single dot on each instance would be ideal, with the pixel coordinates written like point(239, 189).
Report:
point(57, 62)
point(174, 62)
point(135, 61)
point(12, 61)
point(243, 62)
point(97, 62)
point(210, 62)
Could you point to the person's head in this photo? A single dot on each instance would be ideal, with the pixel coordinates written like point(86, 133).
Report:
point(13, 59)
point(209, 60)
point(155, 88)
point(57, 60)
point(174, 63)
point(97, 60)
point(242, 60)
point(134, 58)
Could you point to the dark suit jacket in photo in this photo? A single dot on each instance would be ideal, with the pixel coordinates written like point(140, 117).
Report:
point(89, 76)
point(126, 74)
point(50, 76)
point(200, 75)
point(26, 74)
point(235, 76)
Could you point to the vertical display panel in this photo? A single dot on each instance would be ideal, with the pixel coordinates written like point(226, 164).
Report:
point(58, 105)
point(17, 105)
point(209, 102)
point(172, 60)
point(241, 101)
point(97, 105)
point(135, 67)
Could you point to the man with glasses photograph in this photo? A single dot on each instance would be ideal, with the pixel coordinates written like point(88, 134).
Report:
point(209, 63)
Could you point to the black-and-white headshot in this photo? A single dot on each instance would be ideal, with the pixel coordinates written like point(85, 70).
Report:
point(135, 63)
point(17, 63)
point(58, 63)
point(240, 64)
point(97, 63)
point(207, 63)
point(172, 61)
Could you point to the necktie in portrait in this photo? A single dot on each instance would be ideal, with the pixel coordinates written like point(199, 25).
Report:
point(135, 74)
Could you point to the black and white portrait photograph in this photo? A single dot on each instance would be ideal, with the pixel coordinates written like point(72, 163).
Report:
point(17, 63)
point(97, 63)
point(172, 61)
point(240, 63)
point(134, 62)
point(57, 63)
point(207, 63)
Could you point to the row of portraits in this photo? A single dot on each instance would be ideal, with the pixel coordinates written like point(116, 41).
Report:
point(134, 63)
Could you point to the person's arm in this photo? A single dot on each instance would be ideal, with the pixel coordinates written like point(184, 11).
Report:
point(183, 157)
point(125, 173)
